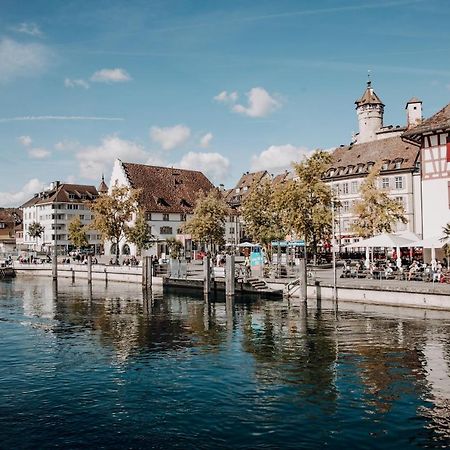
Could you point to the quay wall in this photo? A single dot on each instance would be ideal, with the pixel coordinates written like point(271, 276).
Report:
point(124, 274)
point(413, 298)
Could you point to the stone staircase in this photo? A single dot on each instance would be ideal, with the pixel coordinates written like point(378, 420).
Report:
point(257, 284)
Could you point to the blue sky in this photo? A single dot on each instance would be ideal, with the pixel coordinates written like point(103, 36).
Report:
point(219, 86)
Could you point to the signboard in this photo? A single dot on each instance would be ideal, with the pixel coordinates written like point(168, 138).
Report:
point(296, 243)
point(256, 260)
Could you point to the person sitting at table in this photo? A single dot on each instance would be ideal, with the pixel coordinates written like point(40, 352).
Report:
point(413, 268)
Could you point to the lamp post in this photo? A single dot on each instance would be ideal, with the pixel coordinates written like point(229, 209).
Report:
point(55, 247)
point(333, 249)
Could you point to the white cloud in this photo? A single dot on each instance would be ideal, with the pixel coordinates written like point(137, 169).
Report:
point(225, 97)
point(213, 165)
point(170, 137)
point(29, 28)
point(26, 141)
point(20, 60)
point(260, 103)
point(206, 140)
point(14, 199)
point(278, 157)
point(38, 153)
point(67, 145)
point(111, 76)
point(76, 82)
point(95, 160)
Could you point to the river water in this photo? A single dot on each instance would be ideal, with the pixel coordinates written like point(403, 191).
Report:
point(113, 369)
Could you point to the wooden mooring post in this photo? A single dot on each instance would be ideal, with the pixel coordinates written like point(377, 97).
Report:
point(229, 276)
point(303, 288)
point(89, 269)
point(147, 272)
point(206, 275)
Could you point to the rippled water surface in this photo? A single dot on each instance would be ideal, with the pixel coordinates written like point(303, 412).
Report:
point(115, 370)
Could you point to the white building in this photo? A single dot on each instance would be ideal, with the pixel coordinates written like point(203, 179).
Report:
point(433, 136)
point(54, 209)
point(167, 198)
point(376, 143)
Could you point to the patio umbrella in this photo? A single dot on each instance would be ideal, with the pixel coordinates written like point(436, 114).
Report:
point(385, 240)
point(432, 242)
point(246, 244)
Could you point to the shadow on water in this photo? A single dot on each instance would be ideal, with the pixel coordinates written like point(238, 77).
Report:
point(176, 370)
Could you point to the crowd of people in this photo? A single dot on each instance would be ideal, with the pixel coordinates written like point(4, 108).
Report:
point(435, 271)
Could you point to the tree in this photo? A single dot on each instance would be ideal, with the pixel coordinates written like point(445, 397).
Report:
point(113, 211)
point(175, 246)
point(35, 230)
point(261, 216)
point(140, 234)
point(207, 222)
point(446, 237)
point(77, 233)
point(304, 204)
point(376, 212)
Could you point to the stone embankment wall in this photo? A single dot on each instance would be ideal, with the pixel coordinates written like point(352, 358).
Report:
point(127, 274)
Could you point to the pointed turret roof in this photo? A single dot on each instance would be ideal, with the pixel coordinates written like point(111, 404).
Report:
point(103, 188)
point(369, 97)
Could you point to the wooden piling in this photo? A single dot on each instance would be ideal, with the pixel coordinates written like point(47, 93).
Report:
point(303, 289)
point(229, 276)
point(89, 269)
point(206, 275)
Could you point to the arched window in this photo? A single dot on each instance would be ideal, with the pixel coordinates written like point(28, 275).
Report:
point(125, 249)
point(113, 249)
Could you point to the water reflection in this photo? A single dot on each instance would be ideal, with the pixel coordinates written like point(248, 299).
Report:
point(268, 370)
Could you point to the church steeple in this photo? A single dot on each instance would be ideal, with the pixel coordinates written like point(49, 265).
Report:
point(370, 110)
point(102, 188)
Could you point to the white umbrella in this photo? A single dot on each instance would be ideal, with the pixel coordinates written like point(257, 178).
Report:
point(384, 240)
point(246, 244)
point(432, 242)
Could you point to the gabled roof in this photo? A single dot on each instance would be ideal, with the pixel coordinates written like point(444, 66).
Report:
point(369, 97)
point(64, 193)
point(166, 189)
point(354, 160)
point(440, 121)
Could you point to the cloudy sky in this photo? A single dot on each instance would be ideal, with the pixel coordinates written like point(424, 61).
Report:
point(219, 86)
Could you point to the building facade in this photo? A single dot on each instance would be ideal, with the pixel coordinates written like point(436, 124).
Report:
point(10, 225)
point(54, 208)
point(167, 199)
point(374, 144)
point(433, 137)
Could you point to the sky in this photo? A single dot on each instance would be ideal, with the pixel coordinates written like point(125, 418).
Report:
point(218, 86)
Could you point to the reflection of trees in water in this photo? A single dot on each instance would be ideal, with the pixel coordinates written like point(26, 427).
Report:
point(296, 348)
point(388, 353)
point(135, 328)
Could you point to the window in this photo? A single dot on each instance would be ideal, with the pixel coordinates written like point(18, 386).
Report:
point(231, 230)
point(345, 206)
point(183, 217)
point(385, 183)
point(398, 164)
point(400, 200)
point(448, 147)
point(165, 230)
point(238, 190)
point(385, 166)
point(398, 182)
point(346, 225)
point(245, 188)
point(166, 217)
point(148, 216)
point(2, 225)
point(354, 187)
point(81, 216)
point(71, 196)
point(344, 188)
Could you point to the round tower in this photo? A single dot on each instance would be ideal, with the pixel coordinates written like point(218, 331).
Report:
point(369, 109)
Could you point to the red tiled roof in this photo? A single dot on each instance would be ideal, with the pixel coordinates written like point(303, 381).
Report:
point(166, 189)
point(354, 160)
point(64, 193)
point(369, 97)
point(439, 121)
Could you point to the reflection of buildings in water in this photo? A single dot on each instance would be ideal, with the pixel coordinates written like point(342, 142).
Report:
point(38, 299)
point(436, 353)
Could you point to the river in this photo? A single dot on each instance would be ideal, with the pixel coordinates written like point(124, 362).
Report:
point(111, 368)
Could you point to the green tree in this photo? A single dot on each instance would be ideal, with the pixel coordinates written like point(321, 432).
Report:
point(77, 233)
point(207, 225)
point(140, 234)
point(304, 204)
point(35, 230)
point(376, 212)
point(175, 246)
point(261, 216)
point(446, 237)
point(113, 211)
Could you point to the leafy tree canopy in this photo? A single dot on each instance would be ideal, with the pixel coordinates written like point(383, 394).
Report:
point(77, 233)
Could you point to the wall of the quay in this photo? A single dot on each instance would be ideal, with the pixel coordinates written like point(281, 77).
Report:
point(380, 296)
point(123, 274)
